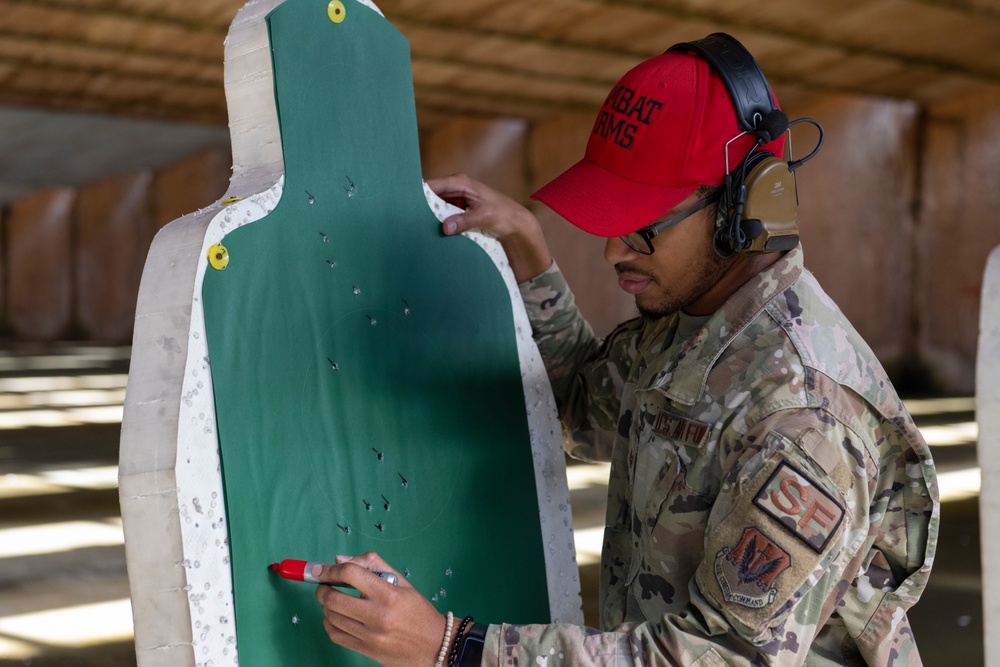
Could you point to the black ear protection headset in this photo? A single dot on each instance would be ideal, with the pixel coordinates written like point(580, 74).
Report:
point(758, 207)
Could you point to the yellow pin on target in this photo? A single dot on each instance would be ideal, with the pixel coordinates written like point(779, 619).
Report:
point(218, 257)
point(336, 11)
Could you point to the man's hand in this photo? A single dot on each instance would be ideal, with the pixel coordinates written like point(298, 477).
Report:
point(501, 217)
point(392, 625)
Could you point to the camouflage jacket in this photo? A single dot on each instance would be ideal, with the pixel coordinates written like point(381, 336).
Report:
point(771, 501)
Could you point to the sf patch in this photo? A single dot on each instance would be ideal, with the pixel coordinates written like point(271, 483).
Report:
point(803, 507)
point(747, 571)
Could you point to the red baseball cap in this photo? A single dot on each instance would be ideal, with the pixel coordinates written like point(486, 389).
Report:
point(661, 133)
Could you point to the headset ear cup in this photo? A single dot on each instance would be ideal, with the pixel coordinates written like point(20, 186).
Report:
point(769, 220)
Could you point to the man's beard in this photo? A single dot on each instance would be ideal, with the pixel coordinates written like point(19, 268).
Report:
point(711, 272)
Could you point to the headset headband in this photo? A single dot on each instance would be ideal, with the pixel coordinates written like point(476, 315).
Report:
point(739, 71)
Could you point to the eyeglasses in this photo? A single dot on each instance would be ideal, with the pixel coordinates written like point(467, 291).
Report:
point(642, 240)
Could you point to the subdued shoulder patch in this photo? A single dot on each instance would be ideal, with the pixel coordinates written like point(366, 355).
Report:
point(801, 506)
point(746, 572)
point(676, 427)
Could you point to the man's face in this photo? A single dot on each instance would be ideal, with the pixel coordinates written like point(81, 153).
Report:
point(682, 273)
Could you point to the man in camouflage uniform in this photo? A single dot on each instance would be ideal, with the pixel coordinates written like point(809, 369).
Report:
point(771, 502)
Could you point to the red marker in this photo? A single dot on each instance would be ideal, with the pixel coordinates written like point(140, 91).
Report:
point(301, 570)
point(296, 570)
point(458, 202)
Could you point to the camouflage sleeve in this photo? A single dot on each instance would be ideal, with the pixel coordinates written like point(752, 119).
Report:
point(586, 383)
point(555, 645)
point(639, 645)
point(785, 536)
point(826, 513)
point(817, 543)
point(811, 520)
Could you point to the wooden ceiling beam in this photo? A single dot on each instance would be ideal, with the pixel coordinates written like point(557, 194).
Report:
point(824, 68)
point(496, 82)
point(134, 110)
point(934, 34)
point(188, 14)
point(40, 53)
point(112, 94)
point(645, 27)
point(441, 103)
point(526, 55)
point(505, 57)
point(141, 35)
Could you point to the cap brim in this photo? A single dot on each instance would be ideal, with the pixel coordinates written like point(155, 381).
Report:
point(603, 203)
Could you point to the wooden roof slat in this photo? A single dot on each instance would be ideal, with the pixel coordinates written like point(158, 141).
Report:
point(580, 23)
point(95, 28)
point(825, 67)
point(441, 103)
point(84, 90)
point(909, 29)
point(450, 13)
point(550, 20)
point(590, 24)
point(44, 53)
point(787, 60)
point(982, 7)
point(920, 31)
point(504, 56)
point(528, 56)
point(909, 83)
point(468, 79)
point(140, 109)
point(216, 13)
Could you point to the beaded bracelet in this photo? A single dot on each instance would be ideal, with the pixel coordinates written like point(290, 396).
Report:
point(447, 640)
point(453, 658)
